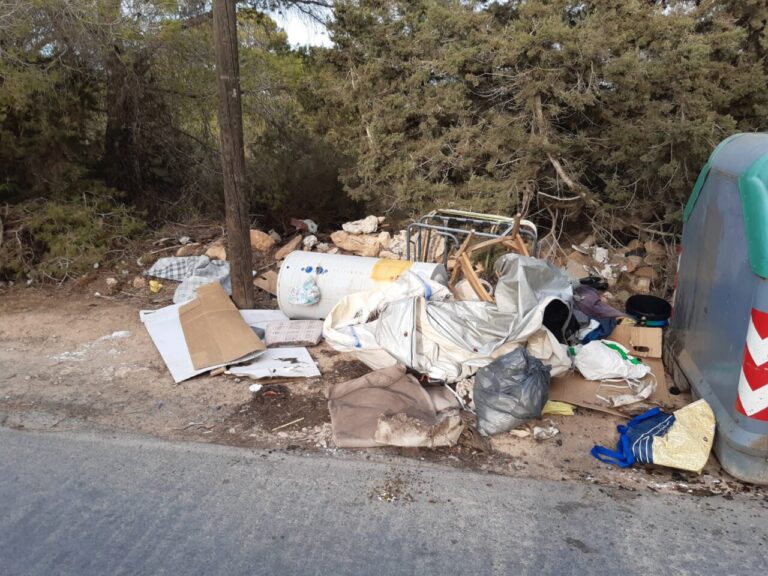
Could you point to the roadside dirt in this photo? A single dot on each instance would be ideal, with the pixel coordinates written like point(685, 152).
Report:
point(70, 359)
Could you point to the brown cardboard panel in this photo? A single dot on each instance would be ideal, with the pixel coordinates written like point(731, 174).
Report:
point(214, 330)
point(640, 341)
point(575, 389)
point(267, 282)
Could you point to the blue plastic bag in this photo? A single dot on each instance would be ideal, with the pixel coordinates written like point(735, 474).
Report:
point(636, 440)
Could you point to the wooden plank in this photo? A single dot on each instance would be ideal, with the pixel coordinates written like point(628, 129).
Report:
point(457, 265)
point(474, 281)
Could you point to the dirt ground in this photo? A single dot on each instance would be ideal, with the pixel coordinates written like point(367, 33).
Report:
point(70, 359)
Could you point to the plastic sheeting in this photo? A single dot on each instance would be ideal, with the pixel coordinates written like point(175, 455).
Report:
point(445, 339)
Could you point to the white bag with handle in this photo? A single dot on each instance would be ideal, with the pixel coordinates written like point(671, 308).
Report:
point(609, 361)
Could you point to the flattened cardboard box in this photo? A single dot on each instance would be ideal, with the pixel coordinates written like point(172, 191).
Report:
point(641, 341)
point(575, 389)
point(214, 330)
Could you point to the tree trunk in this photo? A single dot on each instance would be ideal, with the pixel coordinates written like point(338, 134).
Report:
point(232, 155)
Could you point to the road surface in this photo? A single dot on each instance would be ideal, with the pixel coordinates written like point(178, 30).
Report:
point(103, 504)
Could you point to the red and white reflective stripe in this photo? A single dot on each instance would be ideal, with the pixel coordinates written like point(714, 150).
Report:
point(752, 399)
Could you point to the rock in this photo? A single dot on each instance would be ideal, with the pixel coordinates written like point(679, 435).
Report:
point(646, 272)
point(389, 255)
point(275, 236)
point(322, 247)
point(640, 284)
point(112, 284)
point(309, 242)
point(654, 259)
point(290, 246)
point(333, 250)
point(359, 244)
point(652, 247)
point(217, 251)
point(183, 240)
point(139, 282)
point(634, 245)
point(577, 265)
point(261, 241)
point(398, 243)
point(600, 255)
point(631, 263)
point(384, 238)
point(367, 225)
point(188, 249)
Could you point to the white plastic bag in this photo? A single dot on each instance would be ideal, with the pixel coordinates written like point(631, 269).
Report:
point(607, 360)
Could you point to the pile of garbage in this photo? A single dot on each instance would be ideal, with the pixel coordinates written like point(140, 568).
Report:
point(479, 333)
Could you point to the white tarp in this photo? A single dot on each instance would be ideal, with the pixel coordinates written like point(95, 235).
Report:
point(449, 340)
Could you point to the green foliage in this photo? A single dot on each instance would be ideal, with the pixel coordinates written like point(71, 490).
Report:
point(605, 108)
point(57, 239)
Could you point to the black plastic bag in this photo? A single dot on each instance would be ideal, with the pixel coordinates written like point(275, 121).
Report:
point(510, 391)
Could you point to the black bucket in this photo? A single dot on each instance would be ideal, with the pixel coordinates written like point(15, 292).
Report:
point(648, 308)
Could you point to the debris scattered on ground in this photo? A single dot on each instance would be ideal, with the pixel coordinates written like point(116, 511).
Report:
point(261, 241)
point(290, 246)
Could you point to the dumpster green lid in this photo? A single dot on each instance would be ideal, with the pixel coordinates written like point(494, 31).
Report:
point(753, 189)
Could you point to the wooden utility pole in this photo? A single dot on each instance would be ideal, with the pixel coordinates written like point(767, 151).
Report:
point(232, 155)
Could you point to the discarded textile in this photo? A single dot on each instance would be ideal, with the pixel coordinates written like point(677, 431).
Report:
point(307, 294)
point(390, 407)
point(510, 391)
point(588, 300)
point(192, 272)
point(294, 333)
point(603, 330)
point(681, 440)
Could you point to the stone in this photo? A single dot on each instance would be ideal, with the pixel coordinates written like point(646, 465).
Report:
point(646, 272)
point(367, 225)
point(261, 241)
point(309, 242)
point(360, 244)
point(139, 282)
point(600, 254)
point(640, 284)
point(634, 245)
point(290, 246)
point(652, 247)
point(322, 247)
point(384, 238)
point(389, 255)
point(217, 251)
point(112, 284)
point(631, 263)
point(188, 249)
point(275, 236)
point(654, 259)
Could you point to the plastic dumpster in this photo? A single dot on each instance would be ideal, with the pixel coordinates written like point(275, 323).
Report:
point(718, 340)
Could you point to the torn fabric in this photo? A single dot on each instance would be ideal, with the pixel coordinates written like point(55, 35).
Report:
point(192, 272)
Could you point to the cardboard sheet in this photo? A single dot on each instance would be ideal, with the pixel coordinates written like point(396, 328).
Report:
point(641, 341)
point(214, 331)
point(164, 327)
point(574, 389)
point(279, 362)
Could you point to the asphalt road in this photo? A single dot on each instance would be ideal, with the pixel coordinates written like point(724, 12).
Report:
point(103, 504)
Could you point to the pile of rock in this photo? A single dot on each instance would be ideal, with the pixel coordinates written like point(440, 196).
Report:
point(634, 268)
